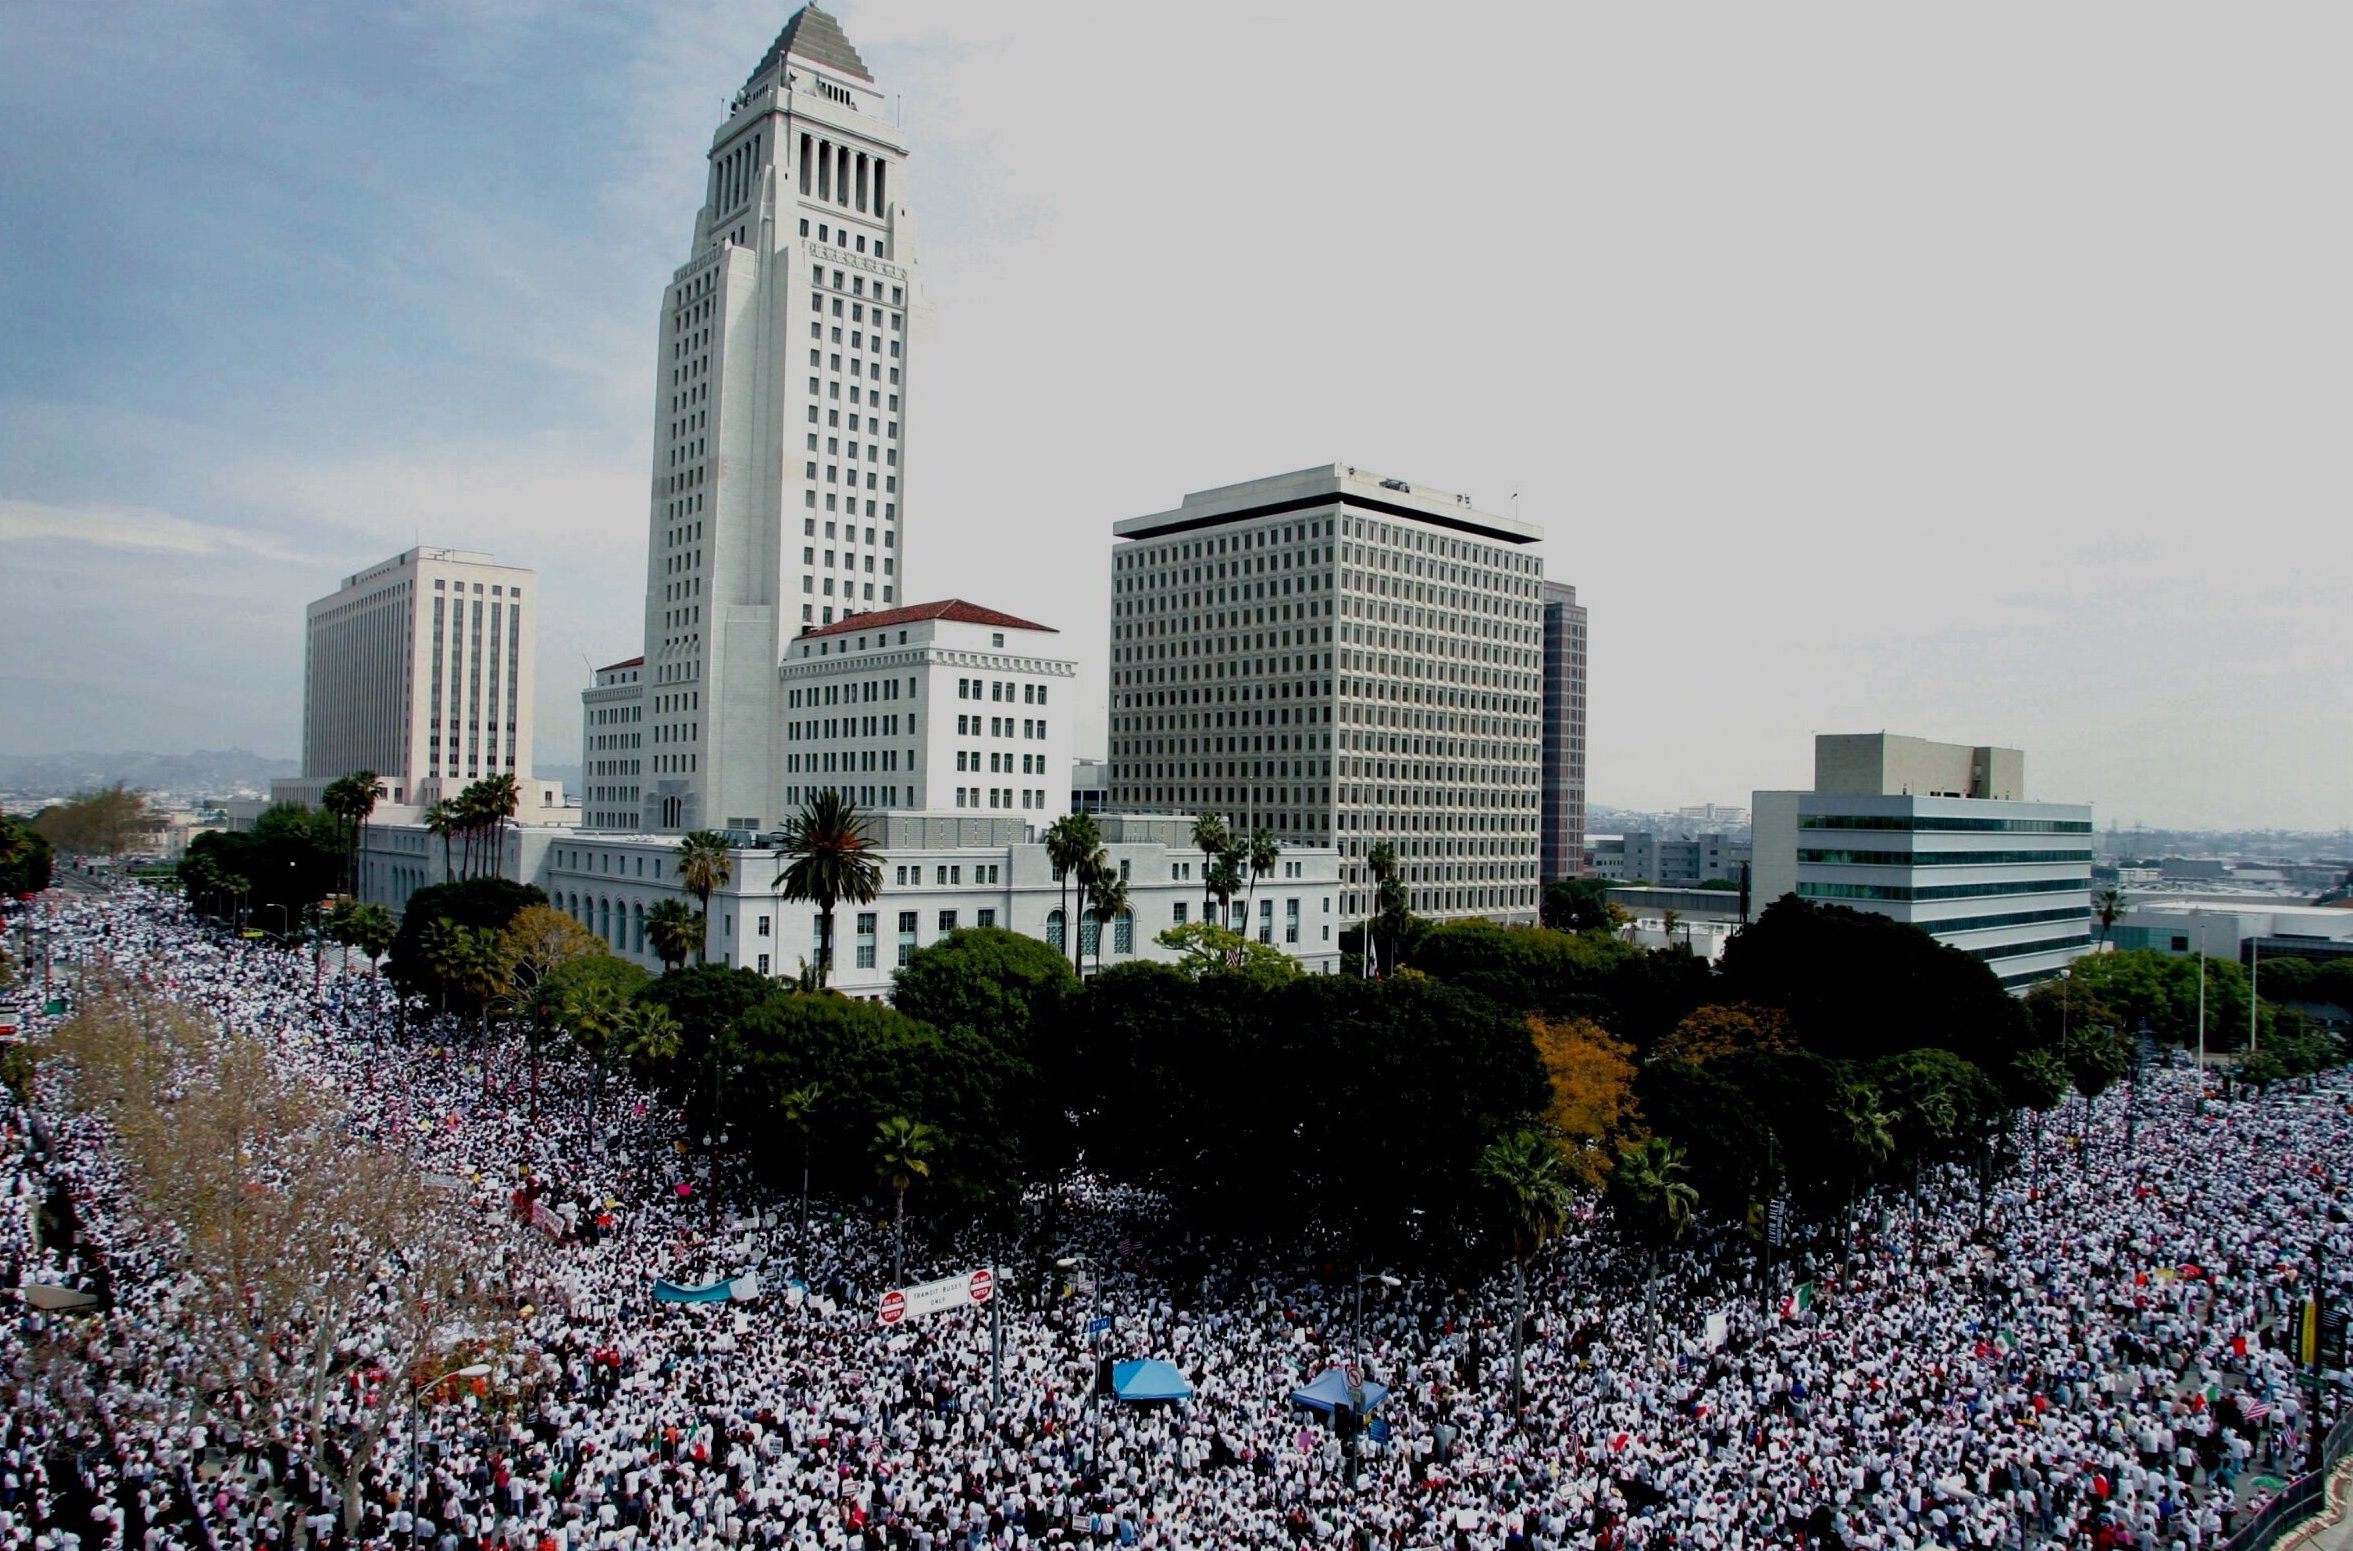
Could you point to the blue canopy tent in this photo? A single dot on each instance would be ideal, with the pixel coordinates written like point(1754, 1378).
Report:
point(1148, 1378)
point(1329, 1392)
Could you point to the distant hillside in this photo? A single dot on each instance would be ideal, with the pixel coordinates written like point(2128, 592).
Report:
point(213, 773)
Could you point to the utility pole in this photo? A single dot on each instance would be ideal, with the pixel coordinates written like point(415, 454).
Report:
point(2198, 923)
point(997, 1340)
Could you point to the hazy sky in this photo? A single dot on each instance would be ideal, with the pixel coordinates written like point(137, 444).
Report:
point(1979, 373)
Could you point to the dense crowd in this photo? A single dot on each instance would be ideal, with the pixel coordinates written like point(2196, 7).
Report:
point(2098, 1353)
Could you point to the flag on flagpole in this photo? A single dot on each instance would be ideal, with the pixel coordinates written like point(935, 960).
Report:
point(2005, 1343)
point(1799, 1301)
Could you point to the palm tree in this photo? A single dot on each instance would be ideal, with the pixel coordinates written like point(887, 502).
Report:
point(500, 797)
point(799, 1107)
point(591, 1017)
point(675, 931)
point(1261, 854)
point(1071, 841)
point(1652, 1178)
point(648, 1035)
point(351, 799)
point(1225, 881)
point(1211, 837)
point(1668, 921)
point(1530, 1183)
point(830, 856)
point(902, 1155)
point(704, 865)
point(441, 818)
point(2107, 905)
point(1381, 862)
point(1109, 892)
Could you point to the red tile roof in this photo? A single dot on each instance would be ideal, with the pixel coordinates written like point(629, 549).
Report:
point(956, 609)
point(634, 662)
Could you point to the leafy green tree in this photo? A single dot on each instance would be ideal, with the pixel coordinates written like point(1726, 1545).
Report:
point(1939, 1106)
point(1210, 949)
point(1004, 986)
point(829, 855)
point(1856, 985)
point(675, 930)
point(2159, 991)
point(902, 1155)
point(26, 863)
point(649, 1036)
point(1581, 905)
point(1528, 1183)
point(2037, 1080)
point(2097, 1059)
point(704, 866)
point(484, 904)
point(106, 822)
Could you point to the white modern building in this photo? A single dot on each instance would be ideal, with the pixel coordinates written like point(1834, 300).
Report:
point(422, 670)
point(780, 418)
point(1346, 660)
point(944, 706)
point(1940, 835)
point(940, 872)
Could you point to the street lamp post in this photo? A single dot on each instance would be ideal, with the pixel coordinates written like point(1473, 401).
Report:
point(469, 1371)
point(1386, 1279)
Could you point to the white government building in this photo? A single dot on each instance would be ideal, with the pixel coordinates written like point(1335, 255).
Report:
point(1345, 659)
point(780, 438)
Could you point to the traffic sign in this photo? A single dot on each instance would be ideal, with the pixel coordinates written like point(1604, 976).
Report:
point(962, 1291)
point(1098, 1324)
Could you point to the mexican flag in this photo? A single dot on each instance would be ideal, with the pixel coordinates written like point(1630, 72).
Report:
point(1799, 1301)
point(2005, 1343)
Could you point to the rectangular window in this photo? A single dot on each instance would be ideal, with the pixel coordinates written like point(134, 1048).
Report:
point(906, 937)
point(763, 927)
point(984, 917)
point(947, 920)
point(1180, 913)
point(866, 938)
point(763, 963)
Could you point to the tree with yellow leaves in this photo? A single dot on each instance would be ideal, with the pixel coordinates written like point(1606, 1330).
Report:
point(1592, 1107)
point(1720, 1029)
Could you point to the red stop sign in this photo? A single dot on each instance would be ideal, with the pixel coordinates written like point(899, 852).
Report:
point(894, 1307)
point(983, 1284)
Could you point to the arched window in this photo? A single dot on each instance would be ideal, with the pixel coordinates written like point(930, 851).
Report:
point(604, 920)
point(1054, 933)
point(1123, 933)
point(637, 928)
point(1090, 933)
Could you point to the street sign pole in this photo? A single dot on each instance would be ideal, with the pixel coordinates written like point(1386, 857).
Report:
point(997, 1354)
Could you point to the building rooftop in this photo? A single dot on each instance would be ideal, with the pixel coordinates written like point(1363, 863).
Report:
point(1303, 489)
point(816, 37)
point(615, 667)
point(955, 610)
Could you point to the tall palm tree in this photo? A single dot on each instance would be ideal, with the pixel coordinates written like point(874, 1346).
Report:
point(1381, 862)
point(591, 1018)
point(1260, 856)
point(2107, 905)
point(648, 1034)
point(441, 818)
point(675, 931)
point(500, 797)
point(1109, 893)
point(1210, 836)
point(799, 1108)
point(902, 1155)
point(1529, 1181)
point(351, 799)
point(829, 856)
point(1225, 881)
point(1071, 841)
point(704, 865)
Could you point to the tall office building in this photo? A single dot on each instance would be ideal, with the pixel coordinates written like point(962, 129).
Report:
point(419, 669)
point(1561, 840)
point(1345, 660)
point(1940, 835)
point(780, 467)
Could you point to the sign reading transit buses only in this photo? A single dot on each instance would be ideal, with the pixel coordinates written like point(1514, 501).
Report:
point(965, 1290)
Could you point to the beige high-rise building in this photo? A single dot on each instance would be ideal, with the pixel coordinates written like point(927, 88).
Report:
point(420, 669)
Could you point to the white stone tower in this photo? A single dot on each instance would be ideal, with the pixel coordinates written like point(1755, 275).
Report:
point(781, 412)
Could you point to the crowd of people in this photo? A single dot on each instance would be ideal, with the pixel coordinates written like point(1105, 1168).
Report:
point(2098, 1353)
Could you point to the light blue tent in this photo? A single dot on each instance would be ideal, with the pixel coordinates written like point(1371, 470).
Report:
point(1148, 1378)
point(1329, 1392)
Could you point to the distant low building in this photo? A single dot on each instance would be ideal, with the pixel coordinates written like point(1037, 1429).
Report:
point(1666, 861)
